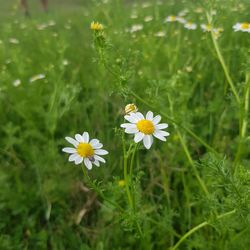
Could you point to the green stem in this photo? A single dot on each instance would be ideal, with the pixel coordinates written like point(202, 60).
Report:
point(222, 62)
point(98, 191)
point(203, 224)
point(132, 160)
point(202, 184)
point(125, 172)
point(243, 123)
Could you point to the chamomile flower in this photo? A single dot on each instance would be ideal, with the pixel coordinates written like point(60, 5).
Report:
point(85, 150)
point(37, 77)
point(16, 83)
point(206, 27)
point(170, 19)
point(190, 26)
point(244, 27)
point(136, 27)
point(130, 108)
point(144, 128)
point(96, 26)
point(14, 41)
point(148, 18)
point(160, 34)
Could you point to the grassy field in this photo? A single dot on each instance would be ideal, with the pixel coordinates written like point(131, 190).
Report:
point(59, 77)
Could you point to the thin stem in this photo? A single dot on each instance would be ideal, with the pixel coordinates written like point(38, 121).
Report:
point(190, 132)
point(125, 172)
point(203, 224)
point(183, 143)
point(222, 62)
point(98, 191)
point(243, 122)
point(132, 161)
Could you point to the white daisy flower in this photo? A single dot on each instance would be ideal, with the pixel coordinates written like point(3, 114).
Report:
point(183, 12)
point(37, 77)
point(14, 41)
point(206, 27)
point(190, 26)
point(181, 19)
point(130, 108)
point(85, 150)
point(171, 19)
point(160, 34)
point(145, 128)
point(136, 27)
point(148, 18)
point(16, 83)
point(244, 27)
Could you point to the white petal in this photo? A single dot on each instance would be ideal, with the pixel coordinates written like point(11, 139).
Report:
point(97, 146)
point(148, 141)
point(72, 141)
point(101, 152)
point(93, 142)
point(87, 163)
point(156, 119)
point(99, 158)
point(79, 138)
point(164, 133)
point(150, 115)
point(73, 157)
point(138, 137)
point(69, 150)
point(97, 163)
point(161, 126)
point(85, 137)
point(159, 135)
point(78, 160)
point(131, 118)
point(128, 125)
point(131, 130)
point(139, 115)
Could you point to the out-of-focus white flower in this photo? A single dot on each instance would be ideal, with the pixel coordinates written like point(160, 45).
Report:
point(244, 27)
point(16, 83)
point(183, 12)
point(160, 34)
point(198, 10)
point(181, 19)
point(206, 27)
point(65, 62)
point(148, 18)
point(171, 19)
point(146, 5)
point(14, 41)
point(51, 23)
point(130, 108)
point(37, 77)
point(41, 26)
point(136, 27)
point(190, 26)
point(134, 15)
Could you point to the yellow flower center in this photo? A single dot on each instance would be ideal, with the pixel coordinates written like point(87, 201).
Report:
point(172, 18)
point(245, 26)
point(96, 26)
point(146, 127)
point(85, 150)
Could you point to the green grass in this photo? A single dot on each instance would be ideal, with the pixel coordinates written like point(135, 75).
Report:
point(192, 189)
